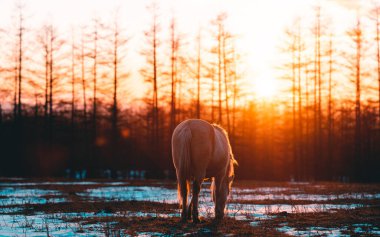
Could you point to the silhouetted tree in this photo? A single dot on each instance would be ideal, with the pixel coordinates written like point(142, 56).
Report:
point(199, 75)
point(356, 35)
point(174, 46)
point(375, 15)
point(151, 72)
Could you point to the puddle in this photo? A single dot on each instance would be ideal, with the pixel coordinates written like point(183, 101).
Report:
point(267, 190)
point(262, 212)
point(362, 229)
point(366, 229)
point(19, 196)
point(40, 225)
point(8, 184)
point(312, 231)
point(249, 195)
point(148, 234)
point(129, 193)
point(19, 192)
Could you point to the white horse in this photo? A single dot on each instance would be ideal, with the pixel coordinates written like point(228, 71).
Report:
point(202, 150)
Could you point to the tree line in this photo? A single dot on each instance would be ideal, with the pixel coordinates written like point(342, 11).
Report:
point(67, 98)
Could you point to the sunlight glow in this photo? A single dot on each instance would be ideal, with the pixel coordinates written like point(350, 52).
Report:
point(265, 88)
point(258, 25)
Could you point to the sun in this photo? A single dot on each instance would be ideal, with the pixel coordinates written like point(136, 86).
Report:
point(265, 87)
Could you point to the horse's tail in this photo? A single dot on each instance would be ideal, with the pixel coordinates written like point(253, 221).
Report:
point(184, 153)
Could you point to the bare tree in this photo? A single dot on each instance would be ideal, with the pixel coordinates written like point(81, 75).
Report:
point(356, 35)
point(218, 50)
point(83, 76)
point(317, 90)
point(44, 40)
point(118, 42)
point(376, 18)
point(290, 74)
point(50, 44)
point(330, 108)
point(151, 74)
point(20, 38)
point(73, 79)
point(174, 43)
point(199, 65)
point(95, 58)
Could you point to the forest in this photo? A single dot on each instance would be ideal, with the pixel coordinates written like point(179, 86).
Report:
point(67, 100)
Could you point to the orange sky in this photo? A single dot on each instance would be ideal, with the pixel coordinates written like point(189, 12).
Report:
point(259, 24)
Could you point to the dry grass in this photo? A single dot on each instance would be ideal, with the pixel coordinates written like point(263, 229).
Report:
point(97, 206)
point(339, 219)
point(173, 227)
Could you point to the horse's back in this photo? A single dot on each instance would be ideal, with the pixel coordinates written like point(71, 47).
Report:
point(201, 144)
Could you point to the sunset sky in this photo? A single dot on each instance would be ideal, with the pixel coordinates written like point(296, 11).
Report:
point(259, 24)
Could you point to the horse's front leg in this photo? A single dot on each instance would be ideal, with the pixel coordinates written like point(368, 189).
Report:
point(194, 200)
point(220, 199)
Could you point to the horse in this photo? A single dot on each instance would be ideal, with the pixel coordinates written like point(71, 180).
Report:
point(202, 150)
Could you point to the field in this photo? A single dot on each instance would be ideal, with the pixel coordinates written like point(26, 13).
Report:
point(149, 208)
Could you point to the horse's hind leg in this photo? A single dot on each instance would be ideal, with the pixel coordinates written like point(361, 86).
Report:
point(189, 210)
point(183, 185)
point(196, 189)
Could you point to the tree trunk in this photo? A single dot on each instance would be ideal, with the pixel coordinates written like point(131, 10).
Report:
point(330, 118)
point(358, 42)
point(173, 74)
point(199, 76)
point(224, 56)
point(83, 82)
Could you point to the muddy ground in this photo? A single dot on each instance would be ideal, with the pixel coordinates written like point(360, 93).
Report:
point(62, 207)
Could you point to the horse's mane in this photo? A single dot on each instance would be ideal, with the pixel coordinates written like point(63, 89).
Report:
point(232, 158)
point(230, 172)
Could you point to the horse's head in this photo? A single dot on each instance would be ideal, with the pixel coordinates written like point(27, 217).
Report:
point(225, 187)
point(229, 177)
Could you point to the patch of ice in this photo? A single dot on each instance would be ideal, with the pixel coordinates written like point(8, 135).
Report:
point(254, 223)
point(262, 212)
point(148, 214)
point(366, 229)
point(267, 190)
point(331, 232)
point(129, 193)
point(362, 225)
point(19, 196)
point(148, 234)
point(277, 208)
point(40, 225)
point(312, 231)
point(246, 195)
point(11, 184)
point(18, 192)
point(6, 210)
